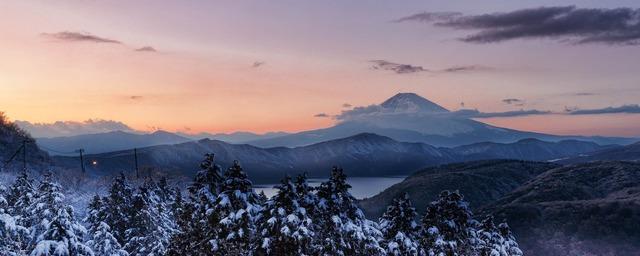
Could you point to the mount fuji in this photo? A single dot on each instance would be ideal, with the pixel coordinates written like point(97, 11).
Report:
point(409, 117)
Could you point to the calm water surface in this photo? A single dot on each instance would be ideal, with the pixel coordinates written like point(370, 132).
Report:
point(361, 187)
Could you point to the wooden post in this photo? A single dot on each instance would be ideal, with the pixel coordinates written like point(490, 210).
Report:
point(135, 157)
point(82, 160)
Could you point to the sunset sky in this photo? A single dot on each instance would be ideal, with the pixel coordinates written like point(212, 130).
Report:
point(224, 66)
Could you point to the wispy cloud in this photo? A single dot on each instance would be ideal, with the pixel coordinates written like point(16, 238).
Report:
point(469, 68)
point(474, 113)
point(360, 111)
point(620, 26)
point(396, 67)
point(70, 128)
point(321, 115)
point(258, 64)
point(512, 101)
point(399, 68)
point(79, 37)
point(146, 49)
point(630, 109)
point(584, 94)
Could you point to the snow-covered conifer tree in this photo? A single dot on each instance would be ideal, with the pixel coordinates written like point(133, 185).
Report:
point(117, 205)
point(490, 240)
point(448, 226)
point(399, 228)
point(194, 229)
point(306, 196)
point(510, 246)
point(102, 241)
point(262, 198)
point(234, 214)
point(149, 228)
point(46, 206)
point(20, 195)
point(62, 237)
point(284, 227)
point(13, 236)
point(343, 229)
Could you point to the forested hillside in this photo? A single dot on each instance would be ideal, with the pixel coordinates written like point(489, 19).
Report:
point(221, 214)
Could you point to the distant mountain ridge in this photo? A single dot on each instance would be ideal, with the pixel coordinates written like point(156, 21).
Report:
point(234, 137)
point(625, 153)
point(405, 117)
point(361, 155)
point(409, 117)
point(364, 154)
point(529, 149)
point(107, 142)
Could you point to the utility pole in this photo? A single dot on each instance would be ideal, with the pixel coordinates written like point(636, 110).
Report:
point(135, 157)
point(81, 160)
point(24, 154)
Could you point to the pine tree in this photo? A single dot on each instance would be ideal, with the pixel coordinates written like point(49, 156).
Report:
point(448, 226)
point(510, 246)
point(102, 241)
point(117, 205)
point(177, 206)
point(12, 235)
point(284, 226)
point(491, 241)
point(149, 229)
point(96, 213)
point(194, 229)
point(262, 198)
point(21, 195)
point(165, 193)
point(399, 228)
point(307, 198)
point(45, 207)
point(343, 229)
point(233, 215)
point(62, 237)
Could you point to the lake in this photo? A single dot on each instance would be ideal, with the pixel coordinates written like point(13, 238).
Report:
point(361, 187)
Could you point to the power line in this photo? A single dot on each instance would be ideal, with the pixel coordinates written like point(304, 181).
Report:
point(13, 156)
point(58, 151)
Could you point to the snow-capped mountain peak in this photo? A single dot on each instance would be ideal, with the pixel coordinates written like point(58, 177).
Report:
point(403, 102)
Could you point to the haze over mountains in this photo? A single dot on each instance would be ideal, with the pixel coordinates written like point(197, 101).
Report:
point(364, 154)
point(107, 142)
point(412, 118)
point(405, 117)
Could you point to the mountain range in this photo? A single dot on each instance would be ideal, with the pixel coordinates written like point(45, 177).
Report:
point(364, 154)
point(405, 117)
point(234, 137)
point(107, 142)
point(624, 153)
point(411, 118)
